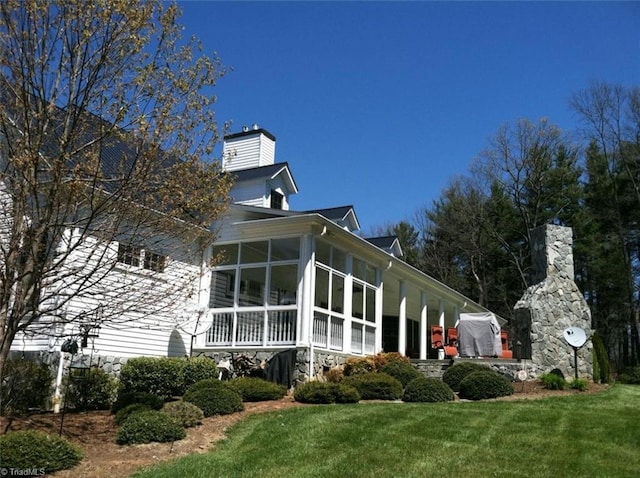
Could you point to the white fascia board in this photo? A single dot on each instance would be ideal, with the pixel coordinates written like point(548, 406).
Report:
point(288, 179)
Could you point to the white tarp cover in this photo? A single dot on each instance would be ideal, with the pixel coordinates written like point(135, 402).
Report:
point(479, 335)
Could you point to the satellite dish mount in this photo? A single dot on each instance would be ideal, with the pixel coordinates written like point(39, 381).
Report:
point(576, 337)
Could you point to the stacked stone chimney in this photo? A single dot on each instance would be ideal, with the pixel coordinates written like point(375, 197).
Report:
point(552, 304)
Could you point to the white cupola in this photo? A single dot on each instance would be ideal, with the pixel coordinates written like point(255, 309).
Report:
point(251, 148)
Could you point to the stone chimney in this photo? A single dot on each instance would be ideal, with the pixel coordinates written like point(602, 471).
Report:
point(550, 305)
point(551, 252)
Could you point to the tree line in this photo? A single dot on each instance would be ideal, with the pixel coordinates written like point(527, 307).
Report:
point(475, 236)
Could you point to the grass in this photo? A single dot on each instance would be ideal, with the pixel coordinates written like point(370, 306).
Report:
point(594, 435)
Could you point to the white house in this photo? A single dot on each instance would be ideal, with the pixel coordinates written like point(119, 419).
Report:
point(284, 280)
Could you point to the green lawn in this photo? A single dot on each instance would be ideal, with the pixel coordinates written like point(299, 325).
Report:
point(595, 435)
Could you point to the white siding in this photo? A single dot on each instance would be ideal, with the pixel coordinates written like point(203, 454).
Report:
point(248, 152)
point(250, 194)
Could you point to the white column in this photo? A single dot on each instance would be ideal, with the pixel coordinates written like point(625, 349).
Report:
point(348, 305)
point(306, 294)
point(441, 324)
point(423, 326)
point(379, 309)
point(402, 317)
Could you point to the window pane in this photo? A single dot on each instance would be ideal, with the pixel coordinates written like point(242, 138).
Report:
point(252, 284)
point(251, 252)
point(129, 255)
point(154, 262)
point(358, 300)
point(223, 284)
point(370, 304)
point(323, 252)
point(339, 260)
point(337, 293)
point(284, 285)
point(225, 255)
point(322, 288)
point(285, 249)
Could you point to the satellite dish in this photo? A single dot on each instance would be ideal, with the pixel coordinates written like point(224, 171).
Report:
point(575, 336)
point(522, 375)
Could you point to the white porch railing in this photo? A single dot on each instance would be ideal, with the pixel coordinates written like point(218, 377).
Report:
point(328, 331)
point(257, 327)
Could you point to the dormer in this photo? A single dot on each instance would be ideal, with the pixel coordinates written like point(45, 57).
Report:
point(259, 181)
point(389, 244)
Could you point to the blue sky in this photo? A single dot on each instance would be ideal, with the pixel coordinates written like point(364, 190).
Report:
point(380, 104)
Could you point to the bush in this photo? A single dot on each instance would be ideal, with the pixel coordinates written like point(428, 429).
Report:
point(214, 397)
point(26, 385)
point(457, 372)
point(334, 375)
point(359, 366)
point(128, 398)
point(601, 366)
point(579, 384)
point(254, 389)
point(149, 426)
point(427, 389)
point(631, 376)
point(35, 450)
point(384, 358)
point(404, 372)
point(553, 381)
point(481, 385)
point(129, 410)
point(375, 386)
point(325, 392)
point(165, 376)
point(184, 412)
point(92, 389)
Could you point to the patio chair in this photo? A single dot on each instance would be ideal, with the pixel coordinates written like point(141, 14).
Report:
point(504, 338)
point(437, 337)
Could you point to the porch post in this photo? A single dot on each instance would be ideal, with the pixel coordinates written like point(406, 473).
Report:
point(348, 305)
point(441, 324)
point(304, 321)
point(379, 309)
point(402, 317)
point(423, 325)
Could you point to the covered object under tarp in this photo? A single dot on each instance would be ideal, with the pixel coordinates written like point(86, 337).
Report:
point(479, 335)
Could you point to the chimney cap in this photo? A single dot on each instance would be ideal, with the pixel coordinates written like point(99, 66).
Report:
point(248, 132)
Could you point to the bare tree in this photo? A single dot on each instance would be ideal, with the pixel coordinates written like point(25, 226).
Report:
point(105, 117)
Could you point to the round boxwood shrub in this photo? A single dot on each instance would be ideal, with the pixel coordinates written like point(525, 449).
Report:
point(184, 412)
point(35, 450)
point(427, 389)
point(129, 410)
point(254, 389)
point(196, 369)
point(149, 426)
point(91, 389)
point(26, 385)
point(404, 372)
point(128, 398)
point(359, 366)
point(454, 374)
point(485, 384)
point(214, 397)
point(325, 392)
point(375, 386)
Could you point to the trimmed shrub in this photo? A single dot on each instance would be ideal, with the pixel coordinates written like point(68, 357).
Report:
point(129, 410)
point(197, 369)
point(92, 389)
point(26, 385)
point(631, 376)
point(254, 389)
point(375, 386)
point(402, 371)
point(184, 412)
point(601, 366)
point(128, 398)
point(457, 372)
point(579, 384)
point(165, 376)
point(485, 384)
point(214, 397)
point(427, 389)
point(325, 392)
point(553, 381)
point(359, 366)
point(334, 375)
point(149, 426)
point(35, 450)
point(384, 358)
